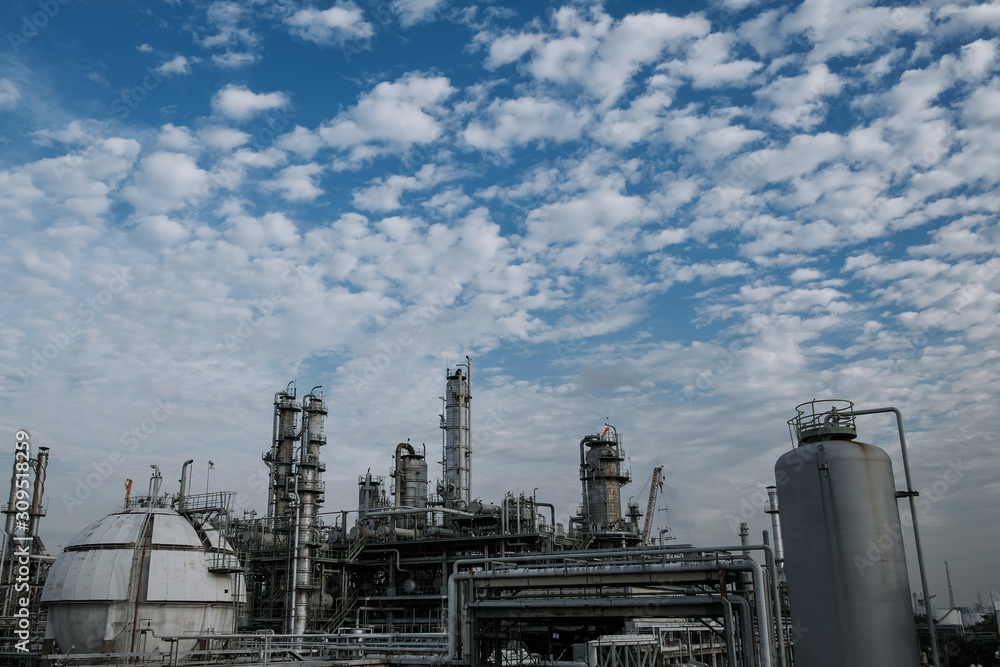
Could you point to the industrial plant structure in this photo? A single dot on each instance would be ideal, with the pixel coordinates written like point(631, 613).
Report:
point(419, 574)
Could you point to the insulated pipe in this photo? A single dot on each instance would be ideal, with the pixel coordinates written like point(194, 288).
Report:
point(39, 491)
point(779, 628)
point(746, 623)
point(552, 511)
point(154, 484)
point(757, 574)
point(417, 510)
point(20, 456)
point(910, 493)
point(184, 477)
point(772, 509)
point(727, 624)
point(769, 553)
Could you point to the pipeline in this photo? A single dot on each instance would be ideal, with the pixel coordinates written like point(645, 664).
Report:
point(754, 568)
point(39, 491)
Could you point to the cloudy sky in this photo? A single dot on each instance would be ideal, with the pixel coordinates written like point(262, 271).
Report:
point(686, 223)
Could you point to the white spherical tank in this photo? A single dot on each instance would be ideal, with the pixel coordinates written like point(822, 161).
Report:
point(844, 557)
point(135, 577)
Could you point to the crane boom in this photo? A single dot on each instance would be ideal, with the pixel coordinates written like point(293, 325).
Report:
point(650, 506)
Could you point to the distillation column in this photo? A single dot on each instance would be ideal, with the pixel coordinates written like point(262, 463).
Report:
point(602, 477)
point(282, 454)
point(456, 487)
point(310, 492)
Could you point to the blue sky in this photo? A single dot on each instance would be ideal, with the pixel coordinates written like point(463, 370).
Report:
point(688, 223)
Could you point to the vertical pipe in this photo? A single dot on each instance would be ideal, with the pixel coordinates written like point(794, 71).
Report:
point(910, 493)
point(184, 477)
point(39, 491)
point(772, 509)
point(12, 503)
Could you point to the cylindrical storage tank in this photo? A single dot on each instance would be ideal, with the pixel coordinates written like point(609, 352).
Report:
point(844, 557)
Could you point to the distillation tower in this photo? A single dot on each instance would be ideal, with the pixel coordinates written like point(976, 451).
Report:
point(456, 422)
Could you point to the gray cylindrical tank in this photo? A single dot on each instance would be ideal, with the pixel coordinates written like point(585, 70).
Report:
point(844, 557)
point(412, 474)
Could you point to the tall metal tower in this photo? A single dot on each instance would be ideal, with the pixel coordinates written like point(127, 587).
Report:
point(456, 424)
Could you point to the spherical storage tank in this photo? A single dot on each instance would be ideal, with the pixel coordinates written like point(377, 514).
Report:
point(844, 558)
point(137, 576)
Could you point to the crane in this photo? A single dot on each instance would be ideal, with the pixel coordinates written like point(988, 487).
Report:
point(650, 506)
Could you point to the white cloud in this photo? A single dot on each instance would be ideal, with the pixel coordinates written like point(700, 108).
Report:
point(301, 142)
point(520, 121)
point(709, 63)
point(342, 22)
point(178, 65)
point(82, 185)
point(978, 59)
point(412, 12)
point(797, 101)
point(176, 139)
point(393, 115)
point(163, 230)
point(510, 48)
point(804, 274)
point(297, 182)
point(76, 132)
point(384, 193)
point(222, 137)
point(273, 229)
point(596, 52)
point(166, 181)
point(240, 103)
point(235, 58)
point(9, 94)
point(230, 21)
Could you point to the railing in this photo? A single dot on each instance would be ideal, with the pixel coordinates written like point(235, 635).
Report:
point(264, 648)
point(218, 501)
point(355, 549)
point(343, 611)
